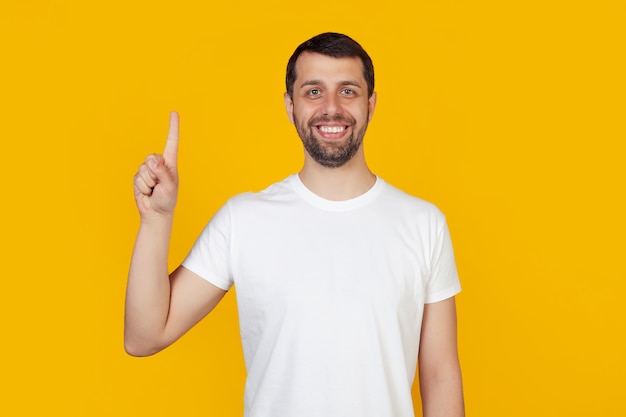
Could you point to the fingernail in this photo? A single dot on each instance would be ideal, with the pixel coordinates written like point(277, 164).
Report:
point(152, 163)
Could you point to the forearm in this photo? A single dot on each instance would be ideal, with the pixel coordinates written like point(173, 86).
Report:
point(439, 369)
point(148, 289)
point(442, 393)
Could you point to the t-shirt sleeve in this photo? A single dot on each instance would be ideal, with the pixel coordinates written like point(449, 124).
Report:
point(444, 281)
point(210, 257)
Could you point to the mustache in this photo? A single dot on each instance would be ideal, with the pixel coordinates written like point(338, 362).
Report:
point(332, 119)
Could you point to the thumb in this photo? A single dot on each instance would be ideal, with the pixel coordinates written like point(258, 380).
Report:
point(170, 154)
point(161, 173)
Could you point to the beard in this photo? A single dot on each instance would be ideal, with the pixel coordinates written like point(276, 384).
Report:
point(330, 154)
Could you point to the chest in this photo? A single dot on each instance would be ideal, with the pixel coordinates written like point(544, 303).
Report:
point(353, 256)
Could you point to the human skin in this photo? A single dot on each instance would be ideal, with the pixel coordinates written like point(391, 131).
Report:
point(331, 77)
point(331, 108)
point(161, 307)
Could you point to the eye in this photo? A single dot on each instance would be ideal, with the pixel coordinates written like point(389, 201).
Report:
point(314, 92)
point(347, 91)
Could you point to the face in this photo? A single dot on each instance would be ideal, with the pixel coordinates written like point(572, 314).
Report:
point(330, 107)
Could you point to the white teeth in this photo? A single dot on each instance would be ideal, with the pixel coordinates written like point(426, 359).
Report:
point(332, 129)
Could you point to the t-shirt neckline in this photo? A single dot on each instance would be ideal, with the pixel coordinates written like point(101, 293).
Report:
point(332, 205)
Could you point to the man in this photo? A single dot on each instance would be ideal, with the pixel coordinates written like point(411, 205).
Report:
point(341, 278)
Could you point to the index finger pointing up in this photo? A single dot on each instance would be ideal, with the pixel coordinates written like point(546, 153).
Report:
point(170, 154)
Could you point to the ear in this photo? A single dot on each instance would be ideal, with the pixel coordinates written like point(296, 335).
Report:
point(371, 105)
point(289, 106)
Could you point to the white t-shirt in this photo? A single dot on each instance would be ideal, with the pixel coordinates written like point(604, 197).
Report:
point(330, 295)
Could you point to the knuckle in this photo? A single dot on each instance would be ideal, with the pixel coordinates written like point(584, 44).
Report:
point(154, 156)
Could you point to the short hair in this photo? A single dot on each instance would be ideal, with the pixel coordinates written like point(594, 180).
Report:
point(335, 45)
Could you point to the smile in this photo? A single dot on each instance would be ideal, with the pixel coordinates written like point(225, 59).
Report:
point(331, 129)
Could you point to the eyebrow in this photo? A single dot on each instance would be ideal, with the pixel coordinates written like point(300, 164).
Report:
point(319, 82)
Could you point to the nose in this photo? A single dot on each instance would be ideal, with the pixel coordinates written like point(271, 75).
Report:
point(331, 105)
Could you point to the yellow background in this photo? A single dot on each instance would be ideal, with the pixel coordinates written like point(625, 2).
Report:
point(508, 115)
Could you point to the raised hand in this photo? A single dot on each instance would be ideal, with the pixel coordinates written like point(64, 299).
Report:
point(156, 181)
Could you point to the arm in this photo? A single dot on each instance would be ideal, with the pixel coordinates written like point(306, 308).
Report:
point(161, 308)
point(439, 370)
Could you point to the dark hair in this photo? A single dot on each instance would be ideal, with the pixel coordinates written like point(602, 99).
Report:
point(334, 45)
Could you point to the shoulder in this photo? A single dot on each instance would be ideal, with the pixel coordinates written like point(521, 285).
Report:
point(275, 193)
point(396, 199)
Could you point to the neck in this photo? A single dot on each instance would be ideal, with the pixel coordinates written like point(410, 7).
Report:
point(337, 184)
